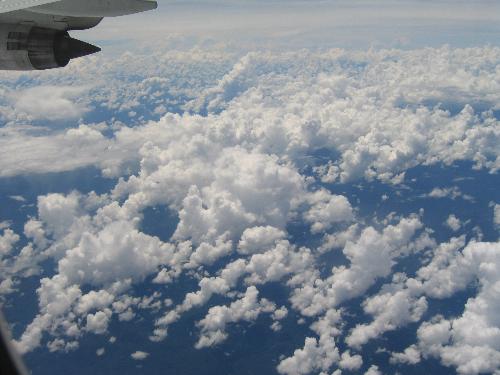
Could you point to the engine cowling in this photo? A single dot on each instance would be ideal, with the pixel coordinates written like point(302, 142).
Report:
point(27, 47)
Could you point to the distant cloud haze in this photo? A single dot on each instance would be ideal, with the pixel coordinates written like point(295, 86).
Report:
point(295, 24)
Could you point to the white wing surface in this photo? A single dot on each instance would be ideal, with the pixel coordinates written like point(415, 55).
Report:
point(12, 5)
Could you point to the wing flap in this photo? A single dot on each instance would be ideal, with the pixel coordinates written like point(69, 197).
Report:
point(12, 5)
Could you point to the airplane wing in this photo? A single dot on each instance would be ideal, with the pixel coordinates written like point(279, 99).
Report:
point(12, 5)
point(34, 33)
point(79, 8)
point(10, 361)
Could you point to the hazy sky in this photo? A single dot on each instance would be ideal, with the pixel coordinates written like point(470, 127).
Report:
point(347, 24)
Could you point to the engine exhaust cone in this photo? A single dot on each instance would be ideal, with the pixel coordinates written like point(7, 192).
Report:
point(66, 48)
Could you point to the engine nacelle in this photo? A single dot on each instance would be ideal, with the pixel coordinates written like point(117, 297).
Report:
point(27, 47)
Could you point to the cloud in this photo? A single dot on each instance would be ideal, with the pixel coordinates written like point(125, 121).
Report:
point(18, 198)
point(312, 357)
point(68, 150)
point(308, 112)
point(98, 323)
point(453, 223)
point(5, 224)
point(258, 239)
point(411, 356)
point(317, 354)
point(496, 214)
point(392, 308)
point(240, 164)
point(470, 342)
point(128, 254)
point(370, 257)
point(7, 240)
point(139, 356)
point(94, 300)
point(373, 370)
point(326, 210)
point(448, 192)
point(247, 308)
point(53, 103)
point(275, 264)
point(350, 362)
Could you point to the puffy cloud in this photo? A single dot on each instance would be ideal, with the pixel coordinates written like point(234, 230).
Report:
point(105, 254)
point(61, 345)
point(6, 286)
point(313, 356)
point(15, 265)
point(236, 169)
point(139, 355)
point(7, 240)
point(470, 342)
point(394, 306)
point(98, 322)
point(247, 308)
point(58, 212)
point(317, 354)
point(453, 223)
point(281, 261)
point(208, 286)
point(326, 210)
point(434, 334)
point(410, 356)
point(33, 229)
point(373, 370)
point(280, 313)
point(206, 254)
point(371, 257)
point(297, 112)
point(338, 240)
point(94, 300)
point(55, 300)
point(350, 362)
point(117, 252)
point(444, 275)
point(258, 239)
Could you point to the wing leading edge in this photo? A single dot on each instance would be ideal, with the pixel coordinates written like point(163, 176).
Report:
point(13, 5)
point(79, 8)
point(95, 8)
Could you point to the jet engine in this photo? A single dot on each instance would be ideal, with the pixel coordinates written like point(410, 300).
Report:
point(27, 47)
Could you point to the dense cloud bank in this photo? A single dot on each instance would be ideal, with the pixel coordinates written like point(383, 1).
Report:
point(289, 105)
point(241, 160)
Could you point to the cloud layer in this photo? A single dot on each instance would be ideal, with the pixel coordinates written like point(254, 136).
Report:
point(241, 149)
